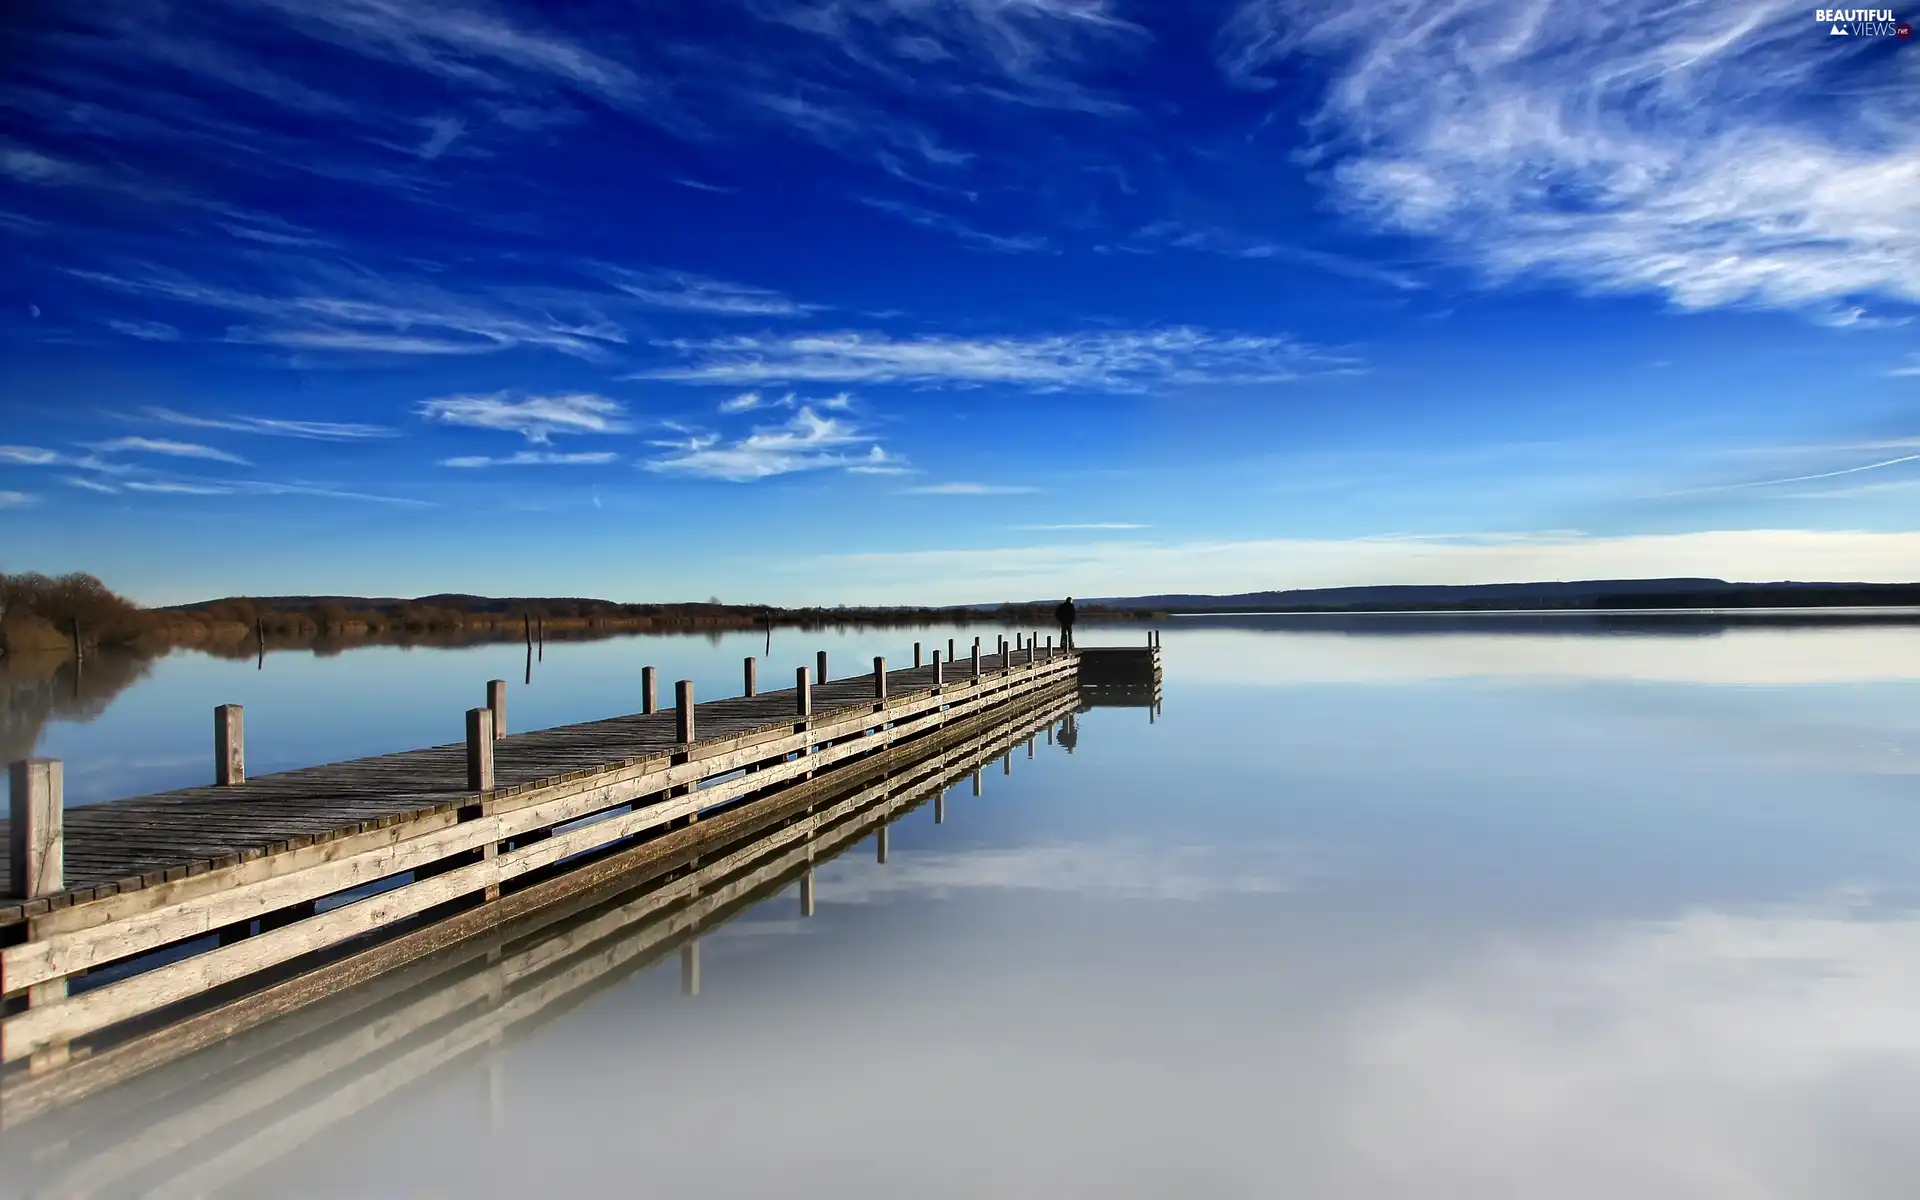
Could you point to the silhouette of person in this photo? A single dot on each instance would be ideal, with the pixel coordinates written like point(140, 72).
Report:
point(1069, 733)
point(1064, 614)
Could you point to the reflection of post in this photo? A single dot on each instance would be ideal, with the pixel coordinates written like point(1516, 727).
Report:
point(260, 636)
point(880, 846)
point(806, 893)
point(496, 1089)
point(1029, 747)
point(1049, 733)
point(1069, 732)
point(690, 968)
point(976, 783)
point(940, 807)
point(1006, 763)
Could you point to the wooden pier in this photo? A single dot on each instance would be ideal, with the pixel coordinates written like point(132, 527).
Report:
point(228, 904)
point(225, 1115)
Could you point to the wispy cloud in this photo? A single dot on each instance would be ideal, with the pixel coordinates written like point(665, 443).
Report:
point(954, 227)
point(310, 304)
point(806, 442)
point(1230, 244)
point(681, 291)
point(1673, 149)
point(166, 446)
point(1908, 369)
point(1112, 361)
point(91, 485)
point(17, 499)
point(146, 331)
point(533, 458)
point(1761, 483)
point(1083, 525)
point(320, 431)
point(969, 489)
point(174, 487)
point(535, 418)
point(31, 456)
point(744, 402)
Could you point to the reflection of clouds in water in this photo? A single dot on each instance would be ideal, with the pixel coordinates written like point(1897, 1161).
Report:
point(1118, 868)
point(1715, 1054)
point(1297, 654)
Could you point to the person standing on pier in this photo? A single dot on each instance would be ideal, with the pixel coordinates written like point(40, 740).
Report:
point(1064, 614)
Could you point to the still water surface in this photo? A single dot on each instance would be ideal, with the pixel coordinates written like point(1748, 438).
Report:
point(1500, 910)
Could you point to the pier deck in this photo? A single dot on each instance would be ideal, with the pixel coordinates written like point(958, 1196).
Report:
point(124, 845)
point(205, 896)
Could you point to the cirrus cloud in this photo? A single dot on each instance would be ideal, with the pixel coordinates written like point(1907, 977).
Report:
point(1714, 157)
point(1108, 361)
point(536, 418)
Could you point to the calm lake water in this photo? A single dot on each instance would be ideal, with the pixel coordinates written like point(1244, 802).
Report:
point(1470, 909)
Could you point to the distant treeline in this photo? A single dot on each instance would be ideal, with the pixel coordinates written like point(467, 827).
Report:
point(39, 612)
point(1875, 595)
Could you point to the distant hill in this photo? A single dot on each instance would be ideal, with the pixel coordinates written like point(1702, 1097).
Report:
point(1588, 593)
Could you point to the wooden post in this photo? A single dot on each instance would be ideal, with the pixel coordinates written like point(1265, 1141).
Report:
point(879, 678)
point(939, 678)
point(479, 749)
point(880, 850)
point(1049, 647)
point(526, 622)
point(916, 656)
point(79, 647)
point(976, 658)
point(752, 677)
point(497, 704)
point(683, 712)
point(820, 667)
point(229, 745)
point(950, 654)
point(36, 848)
point(649, 690)
point(803, 693)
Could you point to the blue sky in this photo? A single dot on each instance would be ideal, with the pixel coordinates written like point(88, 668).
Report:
point(952, 300)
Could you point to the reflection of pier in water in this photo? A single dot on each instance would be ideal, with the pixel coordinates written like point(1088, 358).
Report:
point(211, 1121)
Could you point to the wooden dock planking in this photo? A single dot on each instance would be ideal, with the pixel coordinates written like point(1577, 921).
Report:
point(209, 1101)
point(122, 845)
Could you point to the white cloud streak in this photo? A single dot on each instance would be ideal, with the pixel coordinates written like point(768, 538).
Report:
point(533, 458)
point(1716, 158)
point(168, 447)
point(17, 499)
point(680, 291)
point(535, 418)
point(1110, 361)
point(954, 227)
point(806, 442)
point(146, 331)
point(30, 456)
point(321, 431)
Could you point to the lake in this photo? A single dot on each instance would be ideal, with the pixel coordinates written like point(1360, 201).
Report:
point(1447, 908)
